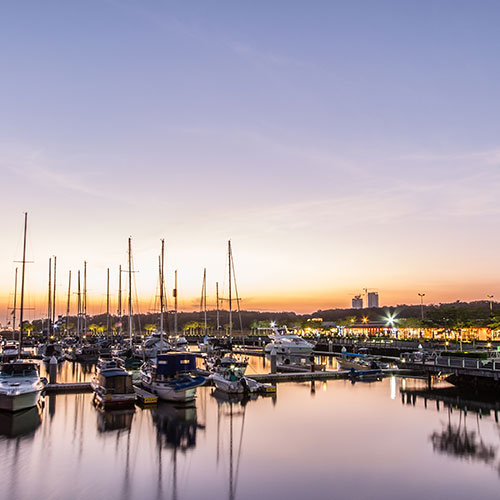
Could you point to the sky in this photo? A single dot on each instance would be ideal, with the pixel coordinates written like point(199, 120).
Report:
point(339, 145)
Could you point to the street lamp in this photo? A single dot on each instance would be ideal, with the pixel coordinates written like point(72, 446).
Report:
point(421, 295)
point(491, 303)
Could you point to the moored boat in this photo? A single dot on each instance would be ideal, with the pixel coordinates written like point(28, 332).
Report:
point(112, 385)
point(172, 377)
point(20, 385)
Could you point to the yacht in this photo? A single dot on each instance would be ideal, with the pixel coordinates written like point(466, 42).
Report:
point(350, 361)
point(172, 376)
point(20, 385)
point(151, 346)
point(284, 342)
point(112, 385)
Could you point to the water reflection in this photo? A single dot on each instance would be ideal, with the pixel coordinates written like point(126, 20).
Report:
point(22, 423)
point(114, 420)
point(232, 408)
point(243, 447)
point(455, 438)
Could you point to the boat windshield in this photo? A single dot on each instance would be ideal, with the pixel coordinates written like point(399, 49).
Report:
point(18, 370)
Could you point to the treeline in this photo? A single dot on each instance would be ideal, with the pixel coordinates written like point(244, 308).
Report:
point(445, 315)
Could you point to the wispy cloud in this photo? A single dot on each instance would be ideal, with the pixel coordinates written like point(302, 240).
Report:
point(263, 56)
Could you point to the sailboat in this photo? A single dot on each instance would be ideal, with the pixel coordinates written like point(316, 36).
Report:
point(20, 382)
point(172, 375)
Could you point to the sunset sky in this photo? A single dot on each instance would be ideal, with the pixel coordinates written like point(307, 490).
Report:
point(339, 145)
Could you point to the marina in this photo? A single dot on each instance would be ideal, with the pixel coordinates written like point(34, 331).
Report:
point(225, 443)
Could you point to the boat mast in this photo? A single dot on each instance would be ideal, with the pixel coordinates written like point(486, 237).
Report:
point(54, 295)
point(49, 300)
point(230, 303)
point(68, 302)
point(85, 297)
point(175, 304)
point(79, 314)
point(217, 299)
point(107, 306)
point(23, 270)
point(120, 296)
point(162, 270)
point(130, 290)
point(205, 301)
point(14, 311)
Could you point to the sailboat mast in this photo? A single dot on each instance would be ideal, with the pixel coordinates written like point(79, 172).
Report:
point(107, 304)
point(85, 297)
point(79, 314)
point(175, 304)
point(68, 304)
point(230, 303)
point(54, 293)
point(120, 292)
point(49, 299)
point(130, 290)
point(205, 300)
point(217, 299)
point(15, 305)
point(23, 269)
point(162, 270)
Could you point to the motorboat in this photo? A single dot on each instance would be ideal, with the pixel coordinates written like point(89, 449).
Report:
point(349, 361)
point(287, 343)
point(88, 353)
point(112, 384)
point(46, 351)
point(172, 376)
point(179, 343)
point(230, 381)
point(152, 346)
point(20, 385)
point(211, 344)
point(227, 362)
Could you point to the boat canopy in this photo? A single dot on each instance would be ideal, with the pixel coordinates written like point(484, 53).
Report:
point(175, 362)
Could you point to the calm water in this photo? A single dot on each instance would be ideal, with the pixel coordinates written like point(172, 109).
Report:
point(336, 440)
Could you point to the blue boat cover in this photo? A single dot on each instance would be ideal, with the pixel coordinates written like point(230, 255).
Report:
point(119, 372)
point(175, 362)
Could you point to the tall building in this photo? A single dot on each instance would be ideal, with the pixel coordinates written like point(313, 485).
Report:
point(357, 302)
point(372, 299)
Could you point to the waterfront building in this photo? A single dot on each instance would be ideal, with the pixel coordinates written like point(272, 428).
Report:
point(372, 299)
point(357, 302)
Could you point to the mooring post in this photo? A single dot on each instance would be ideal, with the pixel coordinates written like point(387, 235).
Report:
point(273, 360)
point(53, 370)
point(330, 346)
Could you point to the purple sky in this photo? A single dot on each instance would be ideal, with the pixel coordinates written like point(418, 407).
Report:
point(340, 145)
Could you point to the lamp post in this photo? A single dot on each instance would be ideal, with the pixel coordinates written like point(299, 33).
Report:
point(421, 295)
point(490, 297)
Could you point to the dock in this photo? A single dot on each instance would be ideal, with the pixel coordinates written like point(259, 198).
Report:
point(68, 387)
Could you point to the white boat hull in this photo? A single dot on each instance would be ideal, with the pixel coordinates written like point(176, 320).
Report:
point(166, 393)
point(289, 350)
point(234, 386)
point(20, 401)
